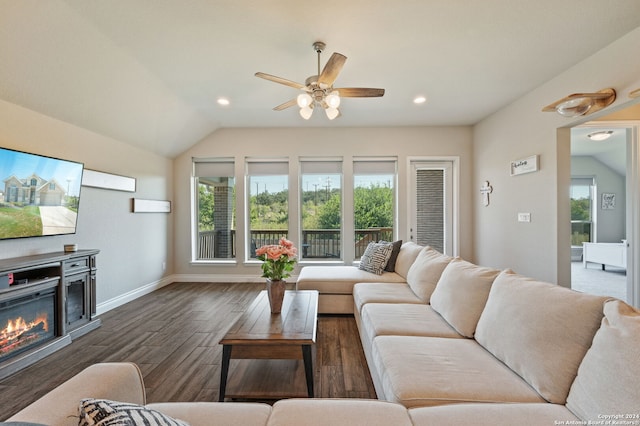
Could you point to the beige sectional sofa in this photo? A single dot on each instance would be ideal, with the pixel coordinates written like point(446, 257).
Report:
point(471, 339)
point(453, 343)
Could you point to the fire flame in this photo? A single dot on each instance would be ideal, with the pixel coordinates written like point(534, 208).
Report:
point(19, 325)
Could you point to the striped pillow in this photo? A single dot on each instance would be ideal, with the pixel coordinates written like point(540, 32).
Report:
point(102, 412)
point(375, 257)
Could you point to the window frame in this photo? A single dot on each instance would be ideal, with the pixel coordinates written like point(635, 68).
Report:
point(259, 166)
point(309, 166)
point(220, 165)
point(371, 166)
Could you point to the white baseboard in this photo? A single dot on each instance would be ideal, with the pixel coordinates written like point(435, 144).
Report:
point(103, 307)
point(222, 278)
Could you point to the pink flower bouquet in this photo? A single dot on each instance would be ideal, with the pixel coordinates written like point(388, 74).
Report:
point(278, 259)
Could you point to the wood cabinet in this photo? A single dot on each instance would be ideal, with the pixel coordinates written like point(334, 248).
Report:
point(73, 275)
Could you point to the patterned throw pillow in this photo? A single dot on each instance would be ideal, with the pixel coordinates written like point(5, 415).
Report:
point(102, 412)
point(375, 257)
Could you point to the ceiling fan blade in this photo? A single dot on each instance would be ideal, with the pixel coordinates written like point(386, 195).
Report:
point(359, 92)
point(285, 105)
point(280, 80)
point(332, 69)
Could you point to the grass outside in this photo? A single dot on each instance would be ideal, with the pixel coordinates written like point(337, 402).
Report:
point(18, 222)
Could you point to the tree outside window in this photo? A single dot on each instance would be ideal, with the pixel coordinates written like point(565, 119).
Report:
point(581, 210)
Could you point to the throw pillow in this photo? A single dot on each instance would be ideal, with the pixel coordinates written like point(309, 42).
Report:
point(375, 257)
point(524, 318)
point(461, 294)
point(103, 412)
point(391, 263)
point(408, 253)
point(607, 379)
point(425, 272)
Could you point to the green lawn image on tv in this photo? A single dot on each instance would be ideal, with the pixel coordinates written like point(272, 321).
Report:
point(16, 222)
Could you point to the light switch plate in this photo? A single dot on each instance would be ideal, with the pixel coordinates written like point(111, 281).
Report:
point(524, 217)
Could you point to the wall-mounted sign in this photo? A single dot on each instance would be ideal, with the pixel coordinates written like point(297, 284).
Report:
point(139, 205)
point(525, 165)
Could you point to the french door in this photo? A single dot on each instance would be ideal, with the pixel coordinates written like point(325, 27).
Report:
point(432, 198)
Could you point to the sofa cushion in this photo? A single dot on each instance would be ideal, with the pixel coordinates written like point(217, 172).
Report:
point(120, 381)
point(493, 415)
point(607, 381)
point(524, 321)
point(215, 413)
point(425, 272)
point(426, 371)
point(103, 412)
point(461, 294)
point(375, 257)
point(402, 319)
point(391, 263)
point(340, 279)
point(407, 255)
point(364, 293)
point(337, 412)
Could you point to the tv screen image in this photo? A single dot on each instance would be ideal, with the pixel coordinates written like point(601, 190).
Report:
point(39, 195)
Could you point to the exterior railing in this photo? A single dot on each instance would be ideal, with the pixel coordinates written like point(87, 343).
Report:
point(316, 243)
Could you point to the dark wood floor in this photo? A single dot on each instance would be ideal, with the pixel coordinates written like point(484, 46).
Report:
point(173, 335)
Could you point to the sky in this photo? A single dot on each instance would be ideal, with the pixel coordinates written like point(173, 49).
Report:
point(22, 165)
point(311, 182)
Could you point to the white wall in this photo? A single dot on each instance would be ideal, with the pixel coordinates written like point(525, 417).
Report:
point(345, 142)
point(610, 224)
point(132, 246)
point(541, 248)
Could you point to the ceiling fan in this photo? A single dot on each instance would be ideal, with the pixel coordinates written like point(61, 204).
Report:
point(318, 89)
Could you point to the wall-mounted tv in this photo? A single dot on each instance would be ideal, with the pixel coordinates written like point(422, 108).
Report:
point(38, 195)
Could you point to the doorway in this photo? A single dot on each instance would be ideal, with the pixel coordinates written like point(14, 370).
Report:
point(433, 216)
point(602, 208)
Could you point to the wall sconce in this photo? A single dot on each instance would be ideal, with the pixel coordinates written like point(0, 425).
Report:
point(635, 93)
point(582, 103)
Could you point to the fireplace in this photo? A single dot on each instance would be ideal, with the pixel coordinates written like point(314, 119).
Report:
point(27, 322)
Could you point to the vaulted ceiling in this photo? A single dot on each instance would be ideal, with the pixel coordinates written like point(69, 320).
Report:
point(149, 72)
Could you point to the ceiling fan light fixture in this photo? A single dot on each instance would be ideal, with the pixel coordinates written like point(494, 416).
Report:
point(318, 89)
point(305, 112)
point(601, 135)
point(304, 100)
point(332, 113)
point(333, 99)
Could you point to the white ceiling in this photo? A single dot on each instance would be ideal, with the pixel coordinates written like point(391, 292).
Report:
point(149, 72)
point(612, 152)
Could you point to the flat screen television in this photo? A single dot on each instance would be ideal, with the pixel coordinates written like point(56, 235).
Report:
point(38, 195)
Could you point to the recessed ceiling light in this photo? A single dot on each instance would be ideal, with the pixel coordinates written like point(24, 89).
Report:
point(600, 136)
point(223, 101)
point(419, 100)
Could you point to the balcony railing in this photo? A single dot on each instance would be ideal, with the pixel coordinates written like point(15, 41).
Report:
point(316, 243)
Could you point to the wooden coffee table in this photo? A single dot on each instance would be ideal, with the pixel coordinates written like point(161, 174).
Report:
point(260, 335)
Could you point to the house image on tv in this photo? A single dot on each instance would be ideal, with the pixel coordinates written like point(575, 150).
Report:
point(33, 191)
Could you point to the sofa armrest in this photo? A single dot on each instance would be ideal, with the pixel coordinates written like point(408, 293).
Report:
point(114, 381)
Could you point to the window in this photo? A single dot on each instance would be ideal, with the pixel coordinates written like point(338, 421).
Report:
point(321, 208)
point(268, 203)
point(581, 210)
point(374, 199)
point(215, 209)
